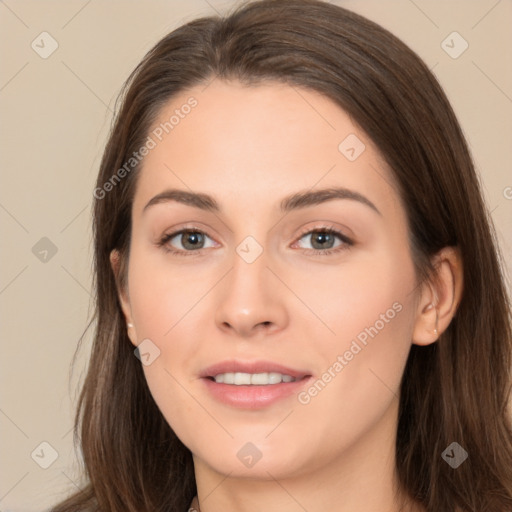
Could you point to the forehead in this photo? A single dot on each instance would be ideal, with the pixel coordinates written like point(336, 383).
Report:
point(231, 140)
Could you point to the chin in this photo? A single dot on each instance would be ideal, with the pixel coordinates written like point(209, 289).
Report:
point(257, 459)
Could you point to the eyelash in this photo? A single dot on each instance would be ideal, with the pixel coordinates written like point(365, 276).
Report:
point(347, 242)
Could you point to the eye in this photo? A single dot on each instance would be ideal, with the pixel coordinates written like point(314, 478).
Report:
point(191, 241)
point(323, 240)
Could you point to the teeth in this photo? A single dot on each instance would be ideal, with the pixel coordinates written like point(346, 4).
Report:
point(242, 378)
point(257, 379)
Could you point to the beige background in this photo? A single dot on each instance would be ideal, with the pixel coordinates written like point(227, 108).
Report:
point(55, 116)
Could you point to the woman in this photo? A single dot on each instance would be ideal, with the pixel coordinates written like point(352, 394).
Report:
point(299, 298)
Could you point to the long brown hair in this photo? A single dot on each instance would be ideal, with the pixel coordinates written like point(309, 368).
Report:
point(454, 390)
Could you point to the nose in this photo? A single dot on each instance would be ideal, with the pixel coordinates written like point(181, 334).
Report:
point(251, 300)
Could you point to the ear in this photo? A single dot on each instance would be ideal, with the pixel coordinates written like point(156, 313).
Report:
point(439, 297)
point(117, 268)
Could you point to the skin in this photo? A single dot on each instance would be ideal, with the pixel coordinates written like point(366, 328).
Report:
point(249, 147)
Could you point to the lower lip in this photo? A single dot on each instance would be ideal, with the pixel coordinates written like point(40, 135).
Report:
point(253, 397)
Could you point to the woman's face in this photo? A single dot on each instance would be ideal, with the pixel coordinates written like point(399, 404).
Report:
point(261, 289)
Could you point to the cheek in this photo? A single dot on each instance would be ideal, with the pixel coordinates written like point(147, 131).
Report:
point(162, 295)
point(162, 303)
point(172, 395)
point(371, 311)
point(370, 299)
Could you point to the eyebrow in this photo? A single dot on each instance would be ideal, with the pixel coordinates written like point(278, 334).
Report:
point(295, 201)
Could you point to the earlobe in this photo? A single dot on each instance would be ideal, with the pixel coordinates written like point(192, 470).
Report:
point(439, 298)
point(115, 262)
point(132, 334)
point(426, 328)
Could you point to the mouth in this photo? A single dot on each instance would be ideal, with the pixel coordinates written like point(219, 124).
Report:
point(252, 384)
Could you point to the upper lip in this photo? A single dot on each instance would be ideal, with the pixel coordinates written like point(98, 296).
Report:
point(234, 366)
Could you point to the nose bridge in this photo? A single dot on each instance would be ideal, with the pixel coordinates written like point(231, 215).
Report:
point(248, 281)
